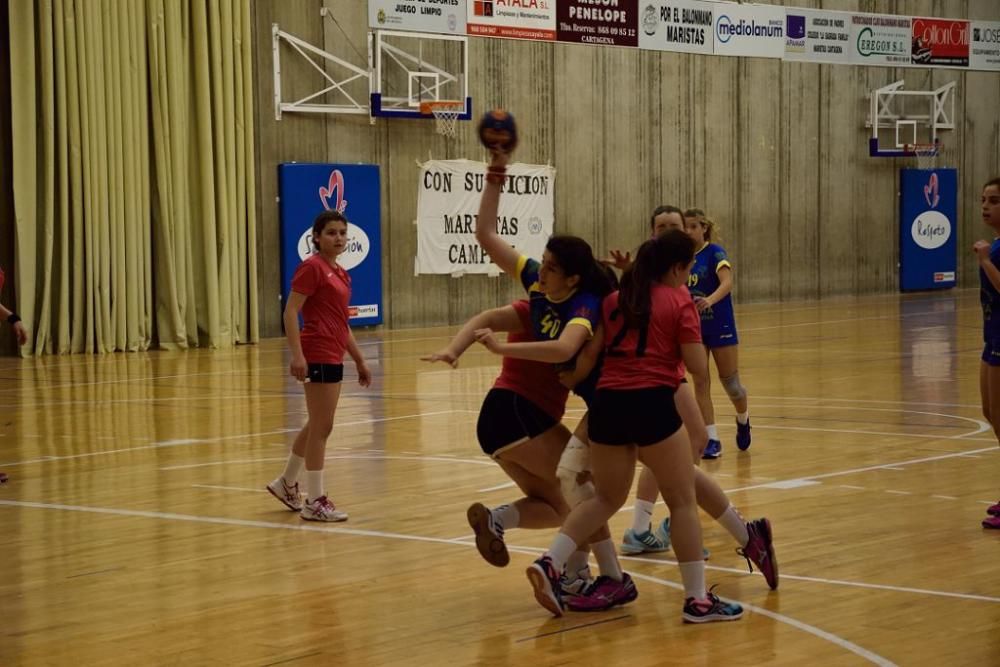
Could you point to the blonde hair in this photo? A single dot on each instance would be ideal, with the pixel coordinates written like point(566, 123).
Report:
point(711, 228)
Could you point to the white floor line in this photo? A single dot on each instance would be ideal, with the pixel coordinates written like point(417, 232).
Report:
point(855, 471)
point(197, 441)
point(899, 493)
point(336, 457)
point(848, 486)
point(867, 400)
point(945, 497)
point(505, 485)
point(838, 641)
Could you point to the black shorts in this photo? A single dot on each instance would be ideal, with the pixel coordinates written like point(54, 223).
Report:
point(325, 373)
point(507, 419)
point(633, 416)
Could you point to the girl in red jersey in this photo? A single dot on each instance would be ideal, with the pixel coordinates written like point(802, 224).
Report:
point(652, 330)
point(321, 291)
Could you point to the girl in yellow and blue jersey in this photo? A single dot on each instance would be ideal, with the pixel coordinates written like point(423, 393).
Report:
point(711, 284)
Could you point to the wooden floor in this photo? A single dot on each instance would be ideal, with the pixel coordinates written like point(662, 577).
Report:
point(135, 529)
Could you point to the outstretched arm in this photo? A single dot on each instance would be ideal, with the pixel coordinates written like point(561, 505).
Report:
point(556, 351)
point(498, 319)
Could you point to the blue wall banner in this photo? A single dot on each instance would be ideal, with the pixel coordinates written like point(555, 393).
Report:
point(305, 190)
point(928, 201)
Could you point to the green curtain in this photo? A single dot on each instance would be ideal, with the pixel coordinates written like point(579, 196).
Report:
point(133, 180)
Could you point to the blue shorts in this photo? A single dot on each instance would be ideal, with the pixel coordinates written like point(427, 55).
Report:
point(991, 352)
point(719, 336)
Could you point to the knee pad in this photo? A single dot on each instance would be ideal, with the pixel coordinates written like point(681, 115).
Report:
point(574, 492)
point(734, 389)
point(575, 461)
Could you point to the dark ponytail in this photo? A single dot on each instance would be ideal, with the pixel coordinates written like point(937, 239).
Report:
point(575, 257)
point(654, 258)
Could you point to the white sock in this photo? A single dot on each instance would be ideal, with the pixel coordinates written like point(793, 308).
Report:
point(713, 433)
point(507, 516)
point(314, 484)
point(693, 576)
point(607, 559)
point(743, 417)
point(578, 561)
point(734, 525)
point(562, 548)
point(643, 517)
point(293, 466)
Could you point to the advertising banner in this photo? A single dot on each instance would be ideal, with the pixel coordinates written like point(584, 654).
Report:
point(880, 39)
point(928, 236)
point(985, 45)
point(941, 42)
point(605, 22)
point(434, 16)
point(306, 190)
point(817, 36)
point(516, 19)
point(447, 205)
point(677, 25)
point(749, 30)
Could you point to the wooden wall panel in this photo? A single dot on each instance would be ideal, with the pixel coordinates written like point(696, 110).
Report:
point(776, 152)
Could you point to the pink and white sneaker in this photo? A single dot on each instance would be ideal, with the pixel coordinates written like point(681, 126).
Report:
point(321, 509)
point(288, 494)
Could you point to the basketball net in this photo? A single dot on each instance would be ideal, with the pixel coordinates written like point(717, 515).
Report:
point(445, 117)
point(926, 155)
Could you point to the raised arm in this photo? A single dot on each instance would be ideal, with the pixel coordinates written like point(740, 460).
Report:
point(501, 252)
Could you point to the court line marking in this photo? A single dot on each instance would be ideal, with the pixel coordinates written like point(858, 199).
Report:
point(195, 441)
point(836, 640)
point(337, 457)
point(816, 632)
point(573, 627)
point(505, 485)
point(227, 488)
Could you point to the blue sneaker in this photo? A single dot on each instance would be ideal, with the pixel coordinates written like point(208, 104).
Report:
point(743, 435)
point(545, 582)
point(640, 543)
point(710, 609)
point(713, 450)
point(663, 532)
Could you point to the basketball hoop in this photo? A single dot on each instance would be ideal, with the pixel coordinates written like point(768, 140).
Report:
point(446, 113)
point(926, 154)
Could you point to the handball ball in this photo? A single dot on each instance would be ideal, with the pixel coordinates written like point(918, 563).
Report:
point(498, 131)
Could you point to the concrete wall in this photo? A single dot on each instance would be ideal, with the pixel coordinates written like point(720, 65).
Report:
point(776, 152)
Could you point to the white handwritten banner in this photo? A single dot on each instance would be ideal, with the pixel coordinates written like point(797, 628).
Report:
point(448, 198)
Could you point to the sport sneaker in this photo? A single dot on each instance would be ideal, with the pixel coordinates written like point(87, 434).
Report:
point(645, 542)
point(710, 609)
point(604, 593)
point(572, 585)
point(288, 494)
point(489, 535)
point(663, 533)
point(3, 478)
point(545, 580)
point(713, 450)
point(992, 522)
point(992, 510)
point(321, 509)
point(743, 435)
point(760, 551)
